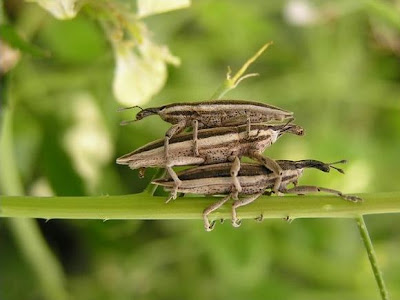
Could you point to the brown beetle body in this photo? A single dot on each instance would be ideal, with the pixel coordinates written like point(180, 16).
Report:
point(211, 114)
point(215, 145)
point(254, 180)
point(218, 113)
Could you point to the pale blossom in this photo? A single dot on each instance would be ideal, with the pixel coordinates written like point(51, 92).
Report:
point(151, 7)
point(300, 13)
point(60, 9)
point(87, 141)
point(140, 74)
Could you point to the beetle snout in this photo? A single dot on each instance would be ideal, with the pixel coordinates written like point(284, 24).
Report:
point(298, 130)
point(294, 129)
point(147, 112)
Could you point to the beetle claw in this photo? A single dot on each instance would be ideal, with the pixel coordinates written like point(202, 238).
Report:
point(236, 223)
point(210, 227)
point(260, 218)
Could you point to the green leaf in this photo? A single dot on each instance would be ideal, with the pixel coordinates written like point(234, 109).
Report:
point(8, 34)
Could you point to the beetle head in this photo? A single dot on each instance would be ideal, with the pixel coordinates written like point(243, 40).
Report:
point(143, 113)
point(290, 128)
point(147, 112)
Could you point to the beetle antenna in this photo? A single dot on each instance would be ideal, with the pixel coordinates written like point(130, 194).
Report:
point(324, 167)
point(337, 162)
point(289, 121)
point(286, 124)
point(127, 108)
point(282, 127)
point(126, 122)
point(123, 123)
point(295, 129)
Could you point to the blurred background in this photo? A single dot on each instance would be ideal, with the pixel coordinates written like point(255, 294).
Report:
point(336, 64)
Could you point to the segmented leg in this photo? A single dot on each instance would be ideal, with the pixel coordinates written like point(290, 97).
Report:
point(260, 218)
point(175, 129)
point(288, 219)
point(306, 189)
point(248, 130)
point(235, 181)
point(177, 183)
point(195, 126)
point(207, 225)
point(141, 172)
point(271, 165)
point(235, 221)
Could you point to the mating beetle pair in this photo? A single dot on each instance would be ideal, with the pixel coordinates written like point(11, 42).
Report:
point(223, 131)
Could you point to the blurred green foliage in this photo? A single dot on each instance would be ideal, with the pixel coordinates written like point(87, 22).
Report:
point(341, 77)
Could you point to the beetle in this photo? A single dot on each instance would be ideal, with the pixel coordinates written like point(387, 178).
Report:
point(216, 145)
point(210, 114)
point(254, 179)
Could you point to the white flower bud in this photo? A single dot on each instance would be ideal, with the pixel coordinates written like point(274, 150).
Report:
point(152, 7)
point(88, 142)
point(140, 75)
point(300, 13)
point(60, 9)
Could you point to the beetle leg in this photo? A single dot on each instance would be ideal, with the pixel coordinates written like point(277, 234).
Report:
point(177, 183)
point(195, 126)
point(175, 129)
point(260, 218)
point(141, 172)
point(271, 165)
point(248, 130)
point(288, 219)
point(207, 225)
point(235, 221)
point(307, 189)
point(234, 172)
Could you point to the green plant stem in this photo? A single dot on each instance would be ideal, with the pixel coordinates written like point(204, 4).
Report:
point(48, 271)
point(372, 257)
point(152, 188)
point(232, 81)
point(25, 231)
point(145, 206)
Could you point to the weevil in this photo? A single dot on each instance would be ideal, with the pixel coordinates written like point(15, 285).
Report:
point(216, 145)
point(210, 114)
point(254, 180)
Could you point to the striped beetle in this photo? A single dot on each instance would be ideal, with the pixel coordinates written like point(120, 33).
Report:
point(254, 179)
point(215, 145)
point(210, 114)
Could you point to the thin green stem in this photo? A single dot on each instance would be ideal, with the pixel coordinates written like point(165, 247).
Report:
point(152, 188)
point(26, 231)
point(372, 257)
point(233, 81)
point(145, 206)
point(40, 258)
